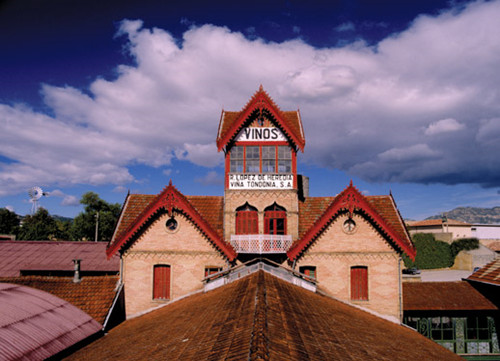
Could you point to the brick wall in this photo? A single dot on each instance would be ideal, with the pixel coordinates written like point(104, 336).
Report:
point(187, 252)
point(336, 251)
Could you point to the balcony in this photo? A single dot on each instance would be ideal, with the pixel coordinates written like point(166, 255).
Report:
point(261, 243)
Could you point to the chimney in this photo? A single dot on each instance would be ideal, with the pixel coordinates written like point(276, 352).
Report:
point(76, 278)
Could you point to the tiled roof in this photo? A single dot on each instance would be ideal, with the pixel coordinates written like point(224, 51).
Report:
point(53, 256)
point(313, 215)
point(444, 296)
point(206, 212)
point(487, 274)
point(35, 325)
point(232, 122)
point(261, 317)
point(436, 222)
point(93, 295)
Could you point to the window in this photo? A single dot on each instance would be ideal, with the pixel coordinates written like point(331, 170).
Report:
point(247, 220)
point(359, 283)
point(260, 159)
point(252, 159)
point(308, 271)
point(161, 282)
point(210, 270)
point(236, 160)
point(275, 220)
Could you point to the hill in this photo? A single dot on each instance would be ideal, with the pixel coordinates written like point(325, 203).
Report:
point(473, 215)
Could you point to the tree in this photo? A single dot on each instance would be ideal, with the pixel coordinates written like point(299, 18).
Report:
point(430, 253)
point(84, 224)
point(40, 226)
point(9, 222)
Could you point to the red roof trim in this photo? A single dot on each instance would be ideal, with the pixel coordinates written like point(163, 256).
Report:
point(259, 101)
point(351, 200)
point(169, 199)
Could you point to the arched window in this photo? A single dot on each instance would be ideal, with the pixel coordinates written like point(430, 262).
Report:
point(275, 219)
point(161, 282)
point(359, 283)
point(247, 220)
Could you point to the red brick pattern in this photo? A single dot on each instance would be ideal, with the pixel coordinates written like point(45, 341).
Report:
point(444, 296)
point(261, 317)
point(93, 295)
point(488, 274)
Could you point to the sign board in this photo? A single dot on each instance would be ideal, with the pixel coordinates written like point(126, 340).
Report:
point(260, 134)
point(260, 181)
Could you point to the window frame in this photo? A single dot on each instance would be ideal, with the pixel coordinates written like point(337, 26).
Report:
point(272, 215)
point(310, 271)
point(239, 159)
point(247, 220)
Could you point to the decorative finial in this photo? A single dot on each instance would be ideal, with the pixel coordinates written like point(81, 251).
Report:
point(170, 183)
point(261, 88)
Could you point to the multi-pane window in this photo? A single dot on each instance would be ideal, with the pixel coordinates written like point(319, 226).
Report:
point(161, 282)
point(359, 283)
point(268, 159)
point(237, 159)
point(284, 159)
point(247, 220)
point(261, 159)
point(210, 270)
point(275, 220)
point(252, 159)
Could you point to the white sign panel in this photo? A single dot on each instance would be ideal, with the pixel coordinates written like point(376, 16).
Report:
point(261, 134)
point(260, 181)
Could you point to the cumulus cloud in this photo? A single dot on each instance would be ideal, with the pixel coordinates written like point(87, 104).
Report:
point(67, 200)
point(444, 126)
point(367, 110)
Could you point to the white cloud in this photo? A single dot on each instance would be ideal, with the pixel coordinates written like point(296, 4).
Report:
point(70, 201)
point(444, 126)
point(363, 108)
point(10, 208)
point(211, 178)
point(347, 26)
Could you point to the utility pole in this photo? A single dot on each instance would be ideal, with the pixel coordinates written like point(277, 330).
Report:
point(96, 225)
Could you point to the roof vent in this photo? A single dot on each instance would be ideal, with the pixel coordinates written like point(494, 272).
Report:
point(76, 277)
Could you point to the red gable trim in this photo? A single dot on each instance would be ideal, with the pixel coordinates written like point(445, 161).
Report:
point(351, 200)
point(259, 101)
point(169, 199)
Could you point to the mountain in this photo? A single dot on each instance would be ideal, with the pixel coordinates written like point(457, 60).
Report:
point(473, 215)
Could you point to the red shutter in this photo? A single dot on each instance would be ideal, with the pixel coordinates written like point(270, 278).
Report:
point(247, 222)
point(359, 283)
point(161, 280)
point(271, 223)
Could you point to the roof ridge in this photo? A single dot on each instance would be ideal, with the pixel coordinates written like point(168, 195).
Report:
point(259, 340)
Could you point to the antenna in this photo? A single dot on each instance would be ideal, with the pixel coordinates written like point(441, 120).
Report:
point(35, 194)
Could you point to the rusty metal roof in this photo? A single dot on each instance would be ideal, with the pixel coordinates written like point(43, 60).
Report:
point(53, 256)
point(35, 325)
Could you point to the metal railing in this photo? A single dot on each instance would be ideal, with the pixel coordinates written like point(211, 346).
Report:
point(261, 243)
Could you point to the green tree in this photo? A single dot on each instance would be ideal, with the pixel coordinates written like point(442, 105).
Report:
point(84, 224)
point(39, 226)
point(9, 222)
point(430, 253)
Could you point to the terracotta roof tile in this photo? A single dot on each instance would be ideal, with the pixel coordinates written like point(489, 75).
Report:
point(53, 256)
point(312, 208)
point(487, 274)
point(93, 295)
point(261, 317)
point(444, 296)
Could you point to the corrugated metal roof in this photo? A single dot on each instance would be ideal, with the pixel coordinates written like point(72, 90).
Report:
point(35, 325)
point(53, 256)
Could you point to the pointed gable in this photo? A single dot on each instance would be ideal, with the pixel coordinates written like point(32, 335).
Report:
point(316, 214)
point(289, 122)
point(140, 210)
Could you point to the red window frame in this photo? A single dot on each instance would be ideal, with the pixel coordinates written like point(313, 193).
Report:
point(161, 282)
point(247, 220)
point(260, 145)
point(275, 220)
point(359, 283)
point(308, 271)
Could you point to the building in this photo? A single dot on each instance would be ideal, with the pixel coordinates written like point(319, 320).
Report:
point(446, 230)
point(348, 245)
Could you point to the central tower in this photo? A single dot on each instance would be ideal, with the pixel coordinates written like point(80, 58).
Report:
point(262, 187)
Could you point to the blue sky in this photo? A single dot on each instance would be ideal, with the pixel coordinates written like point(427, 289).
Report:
point(111, 96)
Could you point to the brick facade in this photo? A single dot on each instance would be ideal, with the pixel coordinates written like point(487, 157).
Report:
point(335, 252)
point(185, 250)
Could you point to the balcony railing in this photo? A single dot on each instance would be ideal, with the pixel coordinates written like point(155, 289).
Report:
point(261, 243)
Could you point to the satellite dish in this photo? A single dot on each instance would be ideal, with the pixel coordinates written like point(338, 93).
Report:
point(35, 194)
